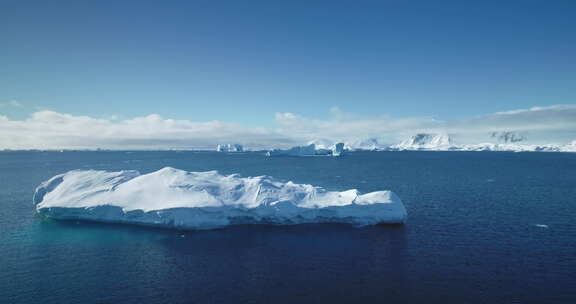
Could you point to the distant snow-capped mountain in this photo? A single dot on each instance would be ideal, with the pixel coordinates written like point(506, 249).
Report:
point(509, 142)
point(370, 144)
point(506, 141)
point(425, 141)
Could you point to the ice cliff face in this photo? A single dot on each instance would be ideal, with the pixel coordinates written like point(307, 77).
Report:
point(338, 149)
point(203, 200)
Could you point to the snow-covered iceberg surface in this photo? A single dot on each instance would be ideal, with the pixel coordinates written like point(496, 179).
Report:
point(204, 200)
point(309, 150)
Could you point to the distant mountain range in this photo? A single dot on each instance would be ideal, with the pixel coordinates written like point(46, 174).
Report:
point(505, 141)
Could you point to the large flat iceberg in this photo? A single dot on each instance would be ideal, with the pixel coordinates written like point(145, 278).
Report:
point(309, 150)
point(230, 148)
point(204, 200)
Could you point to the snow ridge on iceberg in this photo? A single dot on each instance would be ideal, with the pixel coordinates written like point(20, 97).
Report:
point(204, 200)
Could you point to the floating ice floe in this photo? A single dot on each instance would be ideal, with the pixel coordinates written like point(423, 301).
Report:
point(204, 200)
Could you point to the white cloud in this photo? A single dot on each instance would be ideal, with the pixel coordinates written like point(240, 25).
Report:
point(555, 123)
point(538, 109)
point(53, 130)
point(551, 124)
point(349, 127)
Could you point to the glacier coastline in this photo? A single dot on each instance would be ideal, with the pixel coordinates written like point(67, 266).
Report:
point(179, 199)
point(506, 141)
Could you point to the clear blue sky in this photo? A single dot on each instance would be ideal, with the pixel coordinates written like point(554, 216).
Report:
point(244, 61)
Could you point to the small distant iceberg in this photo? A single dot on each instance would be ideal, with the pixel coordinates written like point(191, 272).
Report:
point(230, 148)
point(338, 149)
point(179, 199)
point(309, 150)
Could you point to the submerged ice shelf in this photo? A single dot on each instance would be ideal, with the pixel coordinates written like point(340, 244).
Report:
point(204, 200)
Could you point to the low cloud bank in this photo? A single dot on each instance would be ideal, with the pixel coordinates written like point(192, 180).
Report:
point(54, 130)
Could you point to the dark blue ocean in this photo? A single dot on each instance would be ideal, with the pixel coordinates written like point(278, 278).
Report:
point(472, 235)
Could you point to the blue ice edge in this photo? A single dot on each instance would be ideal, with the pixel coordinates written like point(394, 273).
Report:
point(206, 200)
